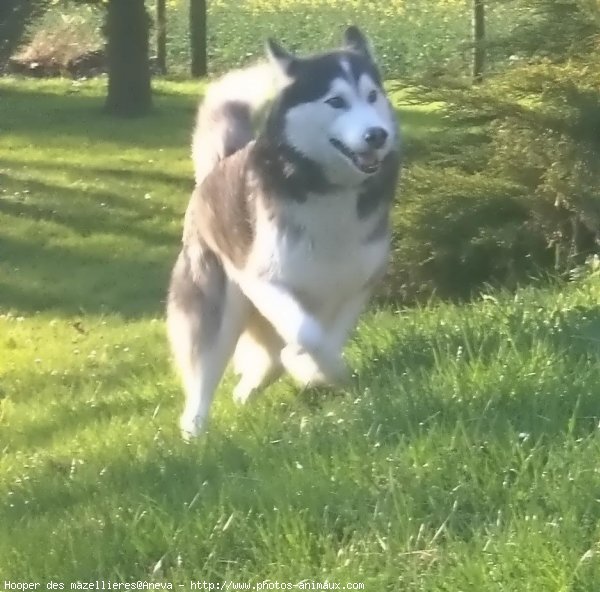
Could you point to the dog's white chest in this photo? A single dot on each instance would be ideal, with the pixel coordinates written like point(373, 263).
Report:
point(320, 249)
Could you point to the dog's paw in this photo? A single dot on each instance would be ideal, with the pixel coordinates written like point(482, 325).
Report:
point(334, 369)
point(311, 335)
point(318, 368)
point(243, 391)
point(191, 427)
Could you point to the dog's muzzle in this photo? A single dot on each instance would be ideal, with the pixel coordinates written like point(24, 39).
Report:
point(366, 161)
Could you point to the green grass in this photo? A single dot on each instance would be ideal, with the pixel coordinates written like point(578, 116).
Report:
point(465, 456)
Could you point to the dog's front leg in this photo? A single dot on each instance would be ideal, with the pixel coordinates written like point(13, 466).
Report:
point(346, 318)
point(300, 330)
point(302, 365)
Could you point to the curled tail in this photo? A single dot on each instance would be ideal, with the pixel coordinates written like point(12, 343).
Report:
point(224, 120)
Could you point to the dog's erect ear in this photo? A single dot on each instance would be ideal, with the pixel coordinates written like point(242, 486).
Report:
point(355, 39)
point(280, 57)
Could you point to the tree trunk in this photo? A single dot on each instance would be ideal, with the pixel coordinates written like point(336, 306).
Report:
point(161, 35)
point(127, 32)
point(478, 40)
point(198, 37)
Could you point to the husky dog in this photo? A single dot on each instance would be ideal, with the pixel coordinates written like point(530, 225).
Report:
point(286, 233)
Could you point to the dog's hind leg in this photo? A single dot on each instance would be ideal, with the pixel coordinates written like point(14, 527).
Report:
point(206, 313)
point(257, 357)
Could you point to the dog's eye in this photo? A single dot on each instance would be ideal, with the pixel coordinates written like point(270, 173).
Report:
point(337, 102)
point(372, 96)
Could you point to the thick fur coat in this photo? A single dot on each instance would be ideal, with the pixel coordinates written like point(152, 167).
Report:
point(286, 232)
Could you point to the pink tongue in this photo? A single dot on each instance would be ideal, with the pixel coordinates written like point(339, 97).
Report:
point(367, 158)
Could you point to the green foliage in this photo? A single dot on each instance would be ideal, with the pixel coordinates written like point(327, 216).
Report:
point(409, 37)
point(459, 224)
point(456, 232)
point(61, 36)
point(15, 17)
point(552, 28)
point(508, 189)
point(551, 147)
point(412, 39)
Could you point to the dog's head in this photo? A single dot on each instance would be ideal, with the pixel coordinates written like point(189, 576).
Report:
point(333, 109)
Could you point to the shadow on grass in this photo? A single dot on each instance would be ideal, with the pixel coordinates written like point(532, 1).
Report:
point(88, 211)
point(49, 118)
point(85, 251)
point(74, 281)
point(114, 399)
point(181, 183)
point(46, 276)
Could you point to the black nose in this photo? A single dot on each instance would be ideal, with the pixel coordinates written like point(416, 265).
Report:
point(375, 137)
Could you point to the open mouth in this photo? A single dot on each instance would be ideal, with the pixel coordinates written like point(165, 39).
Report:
point(367, 162)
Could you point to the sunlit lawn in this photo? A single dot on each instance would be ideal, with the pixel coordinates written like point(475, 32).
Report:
point(465, 456)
